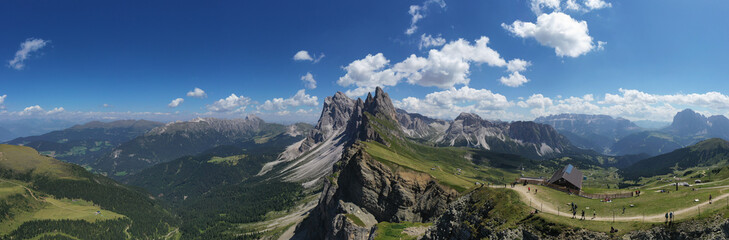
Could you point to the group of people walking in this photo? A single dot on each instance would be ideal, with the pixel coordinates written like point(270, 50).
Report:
point(669, 217)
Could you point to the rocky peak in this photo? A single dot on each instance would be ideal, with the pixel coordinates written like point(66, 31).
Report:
point(688, 122)
point(381, 103)
point(469, 119)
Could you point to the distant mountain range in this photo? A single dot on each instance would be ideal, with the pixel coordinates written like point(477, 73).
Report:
point(177, 139)
point(617, 136)
point(708, 153)
point(84, 144)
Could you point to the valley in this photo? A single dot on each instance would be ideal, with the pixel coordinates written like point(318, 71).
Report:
point(365, 169)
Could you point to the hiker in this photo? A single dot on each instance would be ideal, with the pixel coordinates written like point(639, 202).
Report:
point(623, 209)
point(574, 213)
point(709, 198)
point(535, 191)
point(666, 217)
point(594, 214)
point(670, 215)
point(529, 189)
point(583, 215)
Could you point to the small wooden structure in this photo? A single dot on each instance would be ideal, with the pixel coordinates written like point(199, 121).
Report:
point(568, 177)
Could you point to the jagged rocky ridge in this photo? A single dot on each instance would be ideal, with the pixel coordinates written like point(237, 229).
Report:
point(530, 139)
point(177, 139)
point(343, 121)
point(364, 189)
point(595, 132)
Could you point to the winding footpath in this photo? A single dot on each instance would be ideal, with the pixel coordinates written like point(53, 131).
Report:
point(548, 207)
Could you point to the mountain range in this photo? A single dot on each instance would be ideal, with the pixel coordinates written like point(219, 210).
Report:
point(365, 162)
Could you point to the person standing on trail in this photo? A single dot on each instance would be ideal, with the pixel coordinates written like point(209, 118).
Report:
point(623, 209)
point(535, 190)
point(583, 215)
point(574, 213)
point(594, 214)
point(709, 198)
point(529, 189)
point(670, 215)
point(666, 217)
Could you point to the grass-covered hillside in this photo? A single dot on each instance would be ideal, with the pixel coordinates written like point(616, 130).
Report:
point(216, 192)
point(709, 153)
point(83, 144)
point(42, 196)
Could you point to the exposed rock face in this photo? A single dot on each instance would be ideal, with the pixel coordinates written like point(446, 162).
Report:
point(596, 132)
point(342, 122)
point(419, 126)
point(526, 138)
point(373, 192)
point(178, 139)
point(333, 120)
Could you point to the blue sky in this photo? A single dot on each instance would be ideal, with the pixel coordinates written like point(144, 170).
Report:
point(642, 60)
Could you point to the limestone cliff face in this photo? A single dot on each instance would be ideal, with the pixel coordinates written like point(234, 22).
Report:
point(371, 192)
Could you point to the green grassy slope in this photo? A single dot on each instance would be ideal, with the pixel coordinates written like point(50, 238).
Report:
point(708, 153)
point(49, 209)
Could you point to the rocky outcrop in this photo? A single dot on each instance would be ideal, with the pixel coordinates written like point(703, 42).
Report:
point(418, 126)
point(529, 139)
point(370, 192)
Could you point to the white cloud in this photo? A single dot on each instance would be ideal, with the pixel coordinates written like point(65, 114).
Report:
point(176, 102)
point(197, 93)
point(566, 35)
point(106, 105)
point(304, 55)
point(514, 80)
point(368, 72)
point(231, 103)
point(56, 110)
point(714, 100)
point(536, 101)
point(450, 103)
point(541, 6)
point(444, 68)
point(418, 12)
point(38, 110)
point(2, 100)
point(309, 80)
point(428, 41)
point(597, 4)
point(517, 65)
point(538, 5)
point(299, 99)
point(32, 110)
point(26, 48)
point(601, 45)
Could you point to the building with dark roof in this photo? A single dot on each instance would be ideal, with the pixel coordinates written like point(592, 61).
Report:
point(569, 177)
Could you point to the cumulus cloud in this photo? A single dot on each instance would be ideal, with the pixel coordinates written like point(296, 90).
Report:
point(37, 110)
point(175, 102)
point(304, 55)
point(281, 104)
point(428, 41)
point(444, 68)
point(449, 103)
point(106, 105)
point(309, 80)
point(597, 4)
point(28, 47)
point(232, 103)
point(418, 12)
point(566, 35)
point(538, 5)
point(601, 45)
point(2, 101)
point(56, 110)
point(629, 103)
point(541, 6)
point(197, 93)
point(514, 80)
